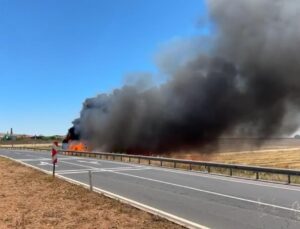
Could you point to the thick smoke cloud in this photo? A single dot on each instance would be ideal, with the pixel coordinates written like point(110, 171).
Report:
point(247, 83)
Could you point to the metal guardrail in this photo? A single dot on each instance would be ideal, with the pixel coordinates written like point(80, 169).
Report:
point(178, 163)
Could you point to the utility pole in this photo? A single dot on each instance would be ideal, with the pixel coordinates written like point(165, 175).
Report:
point(11, 137)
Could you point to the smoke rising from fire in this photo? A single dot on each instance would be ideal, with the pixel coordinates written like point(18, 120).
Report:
point(246, 82)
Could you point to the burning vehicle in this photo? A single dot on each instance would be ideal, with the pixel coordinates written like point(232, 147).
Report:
point(72, 141)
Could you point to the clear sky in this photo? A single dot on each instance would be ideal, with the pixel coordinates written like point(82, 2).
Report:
point(56, 53)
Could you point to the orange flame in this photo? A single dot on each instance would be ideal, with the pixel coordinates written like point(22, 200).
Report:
point(77, 146)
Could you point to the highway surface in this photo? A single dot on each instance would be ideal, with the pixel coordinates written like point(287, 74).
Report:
point(207, 201)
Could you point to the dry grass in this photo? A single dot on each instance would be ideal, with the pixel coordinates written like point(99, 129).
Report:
point(283, 156)
point(38, 145)
point(281, 159)
point(31, 199)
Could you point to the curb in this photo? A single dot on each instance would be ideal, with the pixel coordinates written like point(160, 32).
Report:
point(138, 205)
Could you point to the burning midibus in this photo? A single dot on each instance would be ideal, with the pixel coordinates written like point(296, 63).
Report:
point(72, 141)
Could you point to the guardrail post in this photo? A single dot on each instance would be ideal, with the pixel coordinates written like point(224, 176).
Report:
point(256, 171)
point(53, 170)
point(90, 180)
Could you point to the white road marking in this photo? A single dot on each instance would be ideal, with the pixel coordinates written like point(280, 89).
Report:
point(88, 166)
point(73, 170)
point(139, 205)
point(128, 169)
point(90, 162)
point(100, 170)
point(228, 179)
point(47, 159)
point(190, 173)
point(46, 163)
point(209, 192)
point(251, 201)
point(211, 176)
point(38, 159)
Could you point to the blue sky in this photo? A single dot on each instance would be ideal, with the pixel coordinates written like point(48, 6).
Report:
point(54, 54)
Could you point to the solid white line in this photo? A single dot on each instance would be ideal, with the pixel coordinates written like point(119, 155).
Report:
point(144, 207)
point(198, 174)
point(209, 192)
point(78, 172)
point(45, 159)
point(72, 170)
point(87, 166)
point(38, 159)
point(133, 169)
point(209, 176)
point(141, 206)
point(227, 179)
point(46, 163)
point(99, 170)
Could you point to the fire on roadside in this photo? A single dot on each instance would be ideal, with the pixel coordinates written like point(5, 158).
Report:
point(72, 141)
point(77, 146)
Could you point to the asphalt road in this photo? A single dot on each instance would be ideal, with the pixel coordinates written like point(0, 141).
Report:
point(204, 199)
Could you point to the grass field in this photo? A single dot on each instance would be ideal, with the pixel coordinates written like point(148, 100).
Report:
point(278, 156)
point(281, 153)
point(289, 158)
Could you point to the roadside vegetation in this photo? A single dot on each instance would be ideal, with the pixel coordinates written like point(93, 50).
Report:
point(30, 140)
point(281, 158)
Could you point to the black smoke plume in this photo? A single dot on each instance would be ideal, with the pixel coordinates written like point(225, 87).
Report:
point(245, 83)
